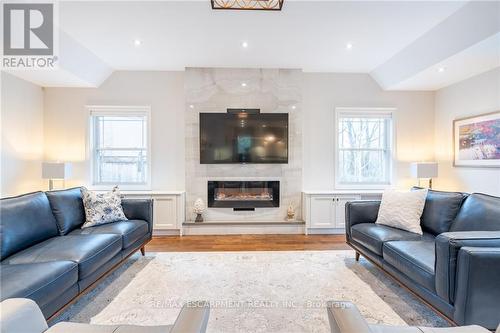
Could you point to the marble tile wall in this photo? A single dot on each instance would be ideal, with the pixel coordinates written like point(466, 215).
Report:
point(270, 90)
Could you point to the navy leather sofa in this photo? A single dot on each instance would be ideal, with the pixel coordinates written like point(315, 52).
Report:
point(454, 266)
point(47, 257)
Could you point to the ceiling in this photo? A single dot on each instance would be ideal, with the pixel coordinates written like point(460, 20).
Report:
point(310, 35)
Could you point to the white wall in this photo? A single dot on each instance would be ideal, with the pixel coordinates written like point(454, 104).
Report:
point(477, 95)
point(66, 122)
point(22, 136)
point(323, 92)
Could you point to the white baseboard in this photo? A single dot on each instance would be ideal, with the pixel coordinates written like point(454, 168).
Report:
point(166, 232)
point(326, 231)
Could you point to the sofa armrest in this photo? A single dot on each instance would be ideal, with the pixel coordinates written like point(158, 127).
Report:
point(360, 211)
point(139, 209)
point(448, 244)
point(478, 287)
point(344, 317)
point(21, 315)
point(193, 318)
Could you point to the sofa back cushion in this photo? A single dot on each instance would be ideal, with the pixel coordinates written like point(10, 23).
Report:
point(25, 221)
point(440, 210)
point(480, 212)
point(67, 206)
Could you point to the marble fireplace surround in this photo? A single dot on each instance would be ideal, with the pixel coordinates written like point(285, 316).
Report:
point(270, 90)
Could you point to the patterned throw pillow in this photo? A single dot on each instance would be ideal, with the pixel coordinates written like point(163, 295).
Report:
point(101, 208)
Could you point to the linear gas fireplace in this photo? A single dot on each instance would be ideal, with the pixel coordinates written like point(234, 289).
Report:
point(243, 195)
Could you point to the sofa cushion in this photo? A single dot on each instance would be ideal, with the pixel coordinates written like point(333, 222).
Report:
point(480, 212)
point(25, 221)
point(41, 282)
point(89, 251)
point(440, 210)
point(67, 206)
point(415, 259)
point(130, 230)
point(373, 236)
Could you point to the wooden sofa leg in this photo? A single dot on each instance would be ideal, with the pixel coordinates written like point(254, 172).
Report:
point(143, 251)
point(357, 256)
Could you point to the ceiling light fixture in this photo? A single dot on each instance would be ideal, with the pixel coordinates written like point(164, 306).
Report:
point(137, 42)
point(244, 45)
point(293, 107)
point(243, 84)
point(441, 69)
point(275, 5)
point(348, 46)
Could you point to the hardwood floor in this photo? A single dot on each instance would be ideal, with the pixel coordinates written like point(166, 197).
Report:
point(246, 243)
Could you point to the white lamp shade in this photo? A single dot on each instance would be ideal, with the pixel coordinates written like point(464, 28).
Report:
point(424, 169)
point(56, 170)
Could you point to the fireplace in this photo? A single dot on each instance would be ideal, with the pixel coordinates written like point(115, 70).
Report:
point(243, 195)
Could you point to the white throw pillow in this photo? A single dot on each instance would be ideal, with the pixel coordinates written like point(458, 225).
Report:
point(101, 208)
point(402, 210)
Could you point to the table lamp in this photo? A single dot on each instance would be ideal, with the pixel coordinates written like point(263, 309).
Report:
point(55, 171)
point(426, 170)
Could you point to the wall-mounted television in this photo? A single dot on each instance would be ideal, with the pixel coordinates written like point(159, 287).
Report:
point(228, 138)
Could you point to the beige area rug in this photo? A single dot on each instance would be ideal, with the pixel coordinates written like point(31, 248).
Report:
point(249, 291)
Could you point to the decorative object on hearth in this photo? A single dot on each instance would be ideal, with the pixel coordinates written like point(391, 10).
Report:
point(476, 141)
point(424, 170)
point(290, 212)
point(56, 171)
point(275, 5)
point(199, 208)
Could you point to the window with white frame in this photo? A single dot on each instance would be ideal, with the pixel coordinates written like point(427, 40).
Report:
point(119, 144)
point(364, 148)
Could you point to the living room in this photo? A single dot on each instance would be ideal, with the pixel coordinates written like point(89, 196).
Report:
point(250, 166)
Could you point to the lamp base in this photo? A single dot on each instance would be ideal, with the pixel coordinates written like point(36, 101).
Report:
point(429, 185)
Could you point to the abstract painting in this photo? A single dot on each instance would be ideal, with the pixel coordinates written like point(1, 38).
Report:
point(477, 141)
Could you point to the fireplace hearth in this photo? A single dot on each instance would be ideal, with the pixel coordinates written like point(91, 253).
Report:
point(243, 195)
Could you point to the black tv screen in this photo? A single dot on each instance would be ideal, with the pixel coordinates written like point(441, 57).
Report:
point(243, 138)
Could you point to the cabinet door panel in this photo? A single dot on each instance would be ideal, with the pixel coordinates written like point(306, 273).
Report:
point(340, 216)
point(165, 213)
point(322, 212)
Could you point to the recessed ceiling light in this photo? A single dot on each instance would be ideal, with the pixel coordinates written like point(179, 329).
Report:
point(137, 42)
point(243, 84)
point(191, 106)
point(441, 69)
point(294, 107)
point(244, 45)
point(348, 46)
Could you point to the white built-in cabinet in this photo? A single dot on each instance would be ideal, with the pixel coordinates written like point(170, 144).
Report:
point(325, 212)
point(168, 209)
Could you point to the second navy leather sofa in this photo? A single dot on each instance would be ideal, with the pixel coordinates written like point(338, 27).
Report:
point(47, 257)
point(454, 265)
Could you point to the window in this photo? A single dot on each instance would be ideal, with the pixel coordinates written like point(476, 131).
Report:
point(364, 148)
point(120, 145)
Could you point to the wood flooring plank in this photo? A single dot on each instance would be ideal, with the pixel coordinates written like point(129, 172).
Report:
point(205, 243)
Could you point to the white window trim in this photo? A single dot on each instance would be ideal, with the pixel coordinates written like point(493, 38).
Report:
point(116, 110)
point(392, 165)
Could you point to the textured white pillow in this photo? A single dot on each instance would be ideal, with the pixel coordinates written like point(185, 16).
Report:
point(402, 210)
